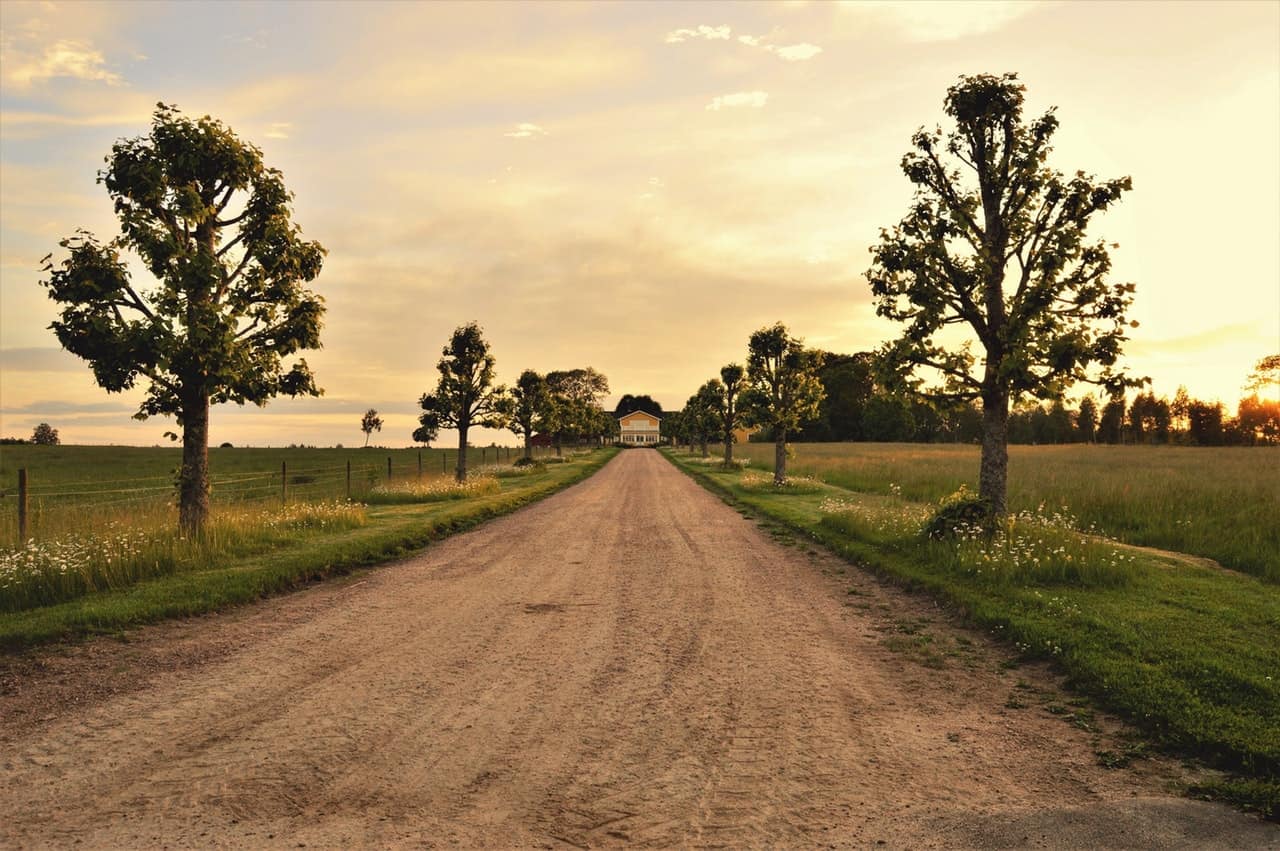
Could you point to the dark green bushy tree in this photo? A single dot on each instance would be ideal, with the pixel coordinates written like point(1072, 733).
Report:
point(733, 380)
point(995, 243)
point(783, 390)
point(524, 407)
point(465, 395)
point(370, 423)
point(212, 224)
point(572, 410)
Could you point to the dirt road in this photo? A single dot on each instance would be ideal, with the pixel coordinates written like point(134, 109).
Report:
point(628, 662)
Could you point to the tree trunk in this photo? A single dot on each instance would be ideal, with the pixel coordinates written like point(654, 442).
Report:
point(728, 448)
point(994, 473)
point(193, 480)
point(780, 456)
point(528, 445)
point(702, 443)
point(558, 442)
point(461, 472)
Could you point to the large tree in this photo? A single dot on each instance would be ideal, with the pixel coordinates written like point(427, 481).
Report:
point(629, 404)
point(370, 423)
point(573, 405)
point(732, 378)
point(45, 435)
point(702, 412)
point(783, 389)
point(465, 395)
point(994, 244)
point(524, 407)
point(212, 224)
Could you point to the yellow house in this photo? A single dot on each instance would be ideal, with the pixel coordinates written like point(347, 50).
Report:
point(638, 428)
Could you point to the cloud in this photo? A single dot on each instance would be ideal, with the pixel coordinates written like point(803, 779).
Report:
point(720, 33)
point(943, 20)
point(525, 131)
point(278, 130)
point(71, 58)
point(755, 99)
point(795, 52)
point(791, 52)
point(39, 359)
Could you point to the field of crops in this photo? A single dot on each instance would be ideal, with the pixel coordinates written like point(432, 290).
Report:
point(1220, 503)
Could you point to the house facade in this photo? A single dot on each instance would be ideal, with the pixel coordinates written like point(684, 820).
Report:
point(639, 428)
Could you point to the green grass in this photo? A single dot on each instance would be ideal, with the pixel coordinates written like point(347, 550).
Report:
point(1187, 652)
point(288, 558)
point(70, 485)
point(1217, 502)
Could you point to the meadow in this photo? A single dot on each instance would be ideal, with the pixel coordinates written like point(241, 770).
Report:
point(1185, 650)
point(1217, 502)
point(104, 551)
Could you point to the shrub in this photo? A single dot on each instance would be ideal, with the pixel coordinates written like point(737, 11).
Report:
point(962, 514)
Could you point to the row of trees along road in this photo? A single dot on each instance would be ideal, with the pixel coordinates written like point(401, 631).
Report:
point(778, 391)
point(564, 404)
point(857, 407)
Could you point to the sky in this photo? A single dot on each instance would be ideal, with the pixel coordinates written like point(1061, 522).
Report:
point(634, 187)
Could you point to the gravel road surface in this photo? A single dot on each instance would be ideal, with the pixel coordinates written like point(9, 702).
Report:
point(629, 662)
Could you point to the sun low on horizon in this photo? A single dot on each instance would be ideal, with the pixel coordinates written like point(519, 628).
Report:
point(632, 187)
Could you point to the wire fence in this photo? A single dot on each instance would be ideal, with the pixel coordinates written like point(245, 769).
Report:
point(34, 508)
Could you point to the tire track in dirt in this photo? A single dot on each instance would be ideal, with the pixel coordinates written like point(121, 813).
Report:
point(627, 662)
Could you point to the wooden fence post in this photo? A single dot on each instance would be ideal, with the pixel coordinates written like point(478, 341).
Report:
point(388, 468)
point(348, 478)
point(284, 483)
point(419, 463)
point(22, 505)
point(444, 460)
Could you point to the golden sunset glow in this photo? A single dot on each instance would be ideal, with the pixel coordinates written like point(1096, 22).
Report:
point(634, 187)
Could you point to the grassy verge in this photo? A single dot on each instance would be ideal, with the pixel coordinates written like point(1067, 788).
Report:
point(1189, 654)
point(305, 556)
point(1217, 502)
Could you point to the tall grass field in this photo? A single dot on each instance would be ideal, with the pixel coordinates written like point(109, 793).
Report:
point(1221, 503)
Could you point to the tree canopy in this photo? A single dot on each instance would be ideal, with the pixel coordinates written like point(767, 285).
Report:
point(783, 390)
point(465, 395)
point(370, 423)
point(994, 243)
point(212, 223)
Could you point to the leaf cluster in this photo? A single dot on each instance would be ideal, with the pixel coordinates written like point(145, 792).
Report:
point(212, 224)
point(995, 242)
point(782, 390)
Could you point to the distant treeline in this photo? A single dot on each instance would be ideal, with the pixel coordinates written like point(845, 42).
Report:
point(856, 408)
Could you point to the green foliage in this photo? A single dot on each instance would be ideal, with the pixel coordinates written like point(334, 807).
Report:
point(1216, 503)
point(370, 423)
point(523, 407)
point(783, 390)
point(572, 410)
point(228, 309)
point(465, 395)
point(45, 435)
point(961, 514)
point(1003, 256)
point(733, 380)
point(702, 416)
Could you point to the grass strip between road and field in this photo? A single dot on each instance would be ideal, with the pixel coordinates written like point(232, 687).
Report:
point(392, 531)
point(1187, 652)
